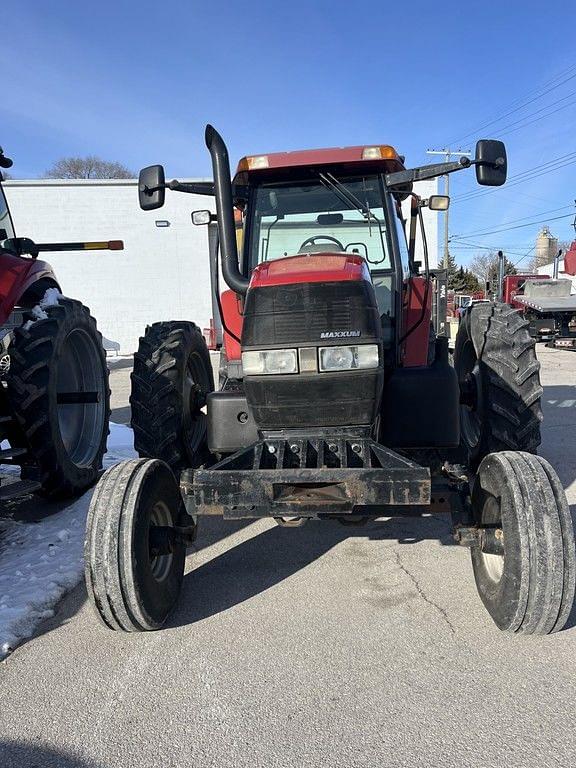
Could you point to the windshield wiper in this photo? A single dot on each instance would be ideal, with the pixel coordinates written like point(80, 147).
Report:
point(349, 198)
point(346, 196)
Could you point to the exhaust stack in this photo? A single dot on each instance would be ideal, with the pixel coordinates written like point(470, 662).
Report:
point(556, 264)
point(225, 211)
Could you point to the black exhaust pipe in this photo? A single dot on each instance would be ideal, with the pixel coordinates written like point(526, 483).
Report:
point(225, 211)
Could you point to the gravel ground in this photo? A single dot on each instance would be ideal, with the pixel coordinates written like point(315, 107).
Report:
point(319, 646)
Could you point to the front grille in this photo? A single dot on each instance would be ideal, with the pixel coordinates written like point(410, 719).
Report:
point(297, 314)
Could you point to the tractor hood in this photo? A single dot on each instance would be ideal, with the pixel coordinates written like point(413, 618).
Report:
point(311, 268)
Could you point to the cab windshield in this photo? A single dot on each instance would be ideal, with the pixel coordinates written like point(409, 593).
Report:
point(319, 215)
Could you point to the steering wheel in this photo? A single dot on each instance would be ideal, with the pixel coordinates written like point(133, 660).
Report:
point(312, 241)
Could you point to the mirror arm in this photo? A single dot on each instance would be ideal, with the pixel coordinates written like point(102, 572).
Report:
point(194, 188)
point(426, 172)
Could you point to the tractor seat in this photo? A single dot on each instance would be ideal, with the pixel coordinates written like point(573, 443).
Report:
point(321, 248)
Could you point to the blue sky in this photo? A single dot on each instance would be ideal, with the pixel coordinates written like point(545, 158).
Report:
point(137, 81)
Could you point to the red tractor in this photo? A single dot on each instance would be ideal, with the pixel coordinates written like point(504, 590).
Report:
point(54, 396)
point(337, 399)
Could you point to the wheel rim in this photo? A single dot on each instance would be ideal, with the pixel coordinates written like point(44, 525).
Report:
point(196, 387)
point(493, 564)
point(470, 377)
point(79, 372)
point(161, 565)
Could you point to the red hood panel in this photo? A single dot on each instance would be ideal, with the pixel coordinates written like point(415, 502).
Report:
point(314, 268)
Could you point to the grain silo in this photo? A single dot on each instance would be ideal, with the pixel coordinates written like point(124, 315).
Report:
point(546, 247)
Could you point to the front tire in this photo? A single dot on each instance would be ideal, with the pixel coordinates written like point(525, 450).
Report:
point(131, 586)
point(171, 378)
point(528, 589)
point(499, 375)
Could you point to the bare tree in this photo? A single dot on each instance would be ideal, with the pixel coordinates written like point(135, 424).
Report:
point(485, 267)
point(90, 167)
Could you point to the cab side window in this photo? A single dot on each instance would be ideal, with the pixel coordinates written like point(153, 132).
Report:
point(402, 246)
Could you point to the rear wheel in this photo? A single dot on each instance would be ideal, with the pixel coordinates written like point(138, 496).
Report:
point(499, 376)
point(134, 562)
point(58, 390)
point(527, 586)
point(171, 378)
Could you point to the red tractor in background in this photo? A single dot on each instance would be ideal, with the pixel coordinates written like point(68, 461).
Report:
point(54, 396)
point(337, 398)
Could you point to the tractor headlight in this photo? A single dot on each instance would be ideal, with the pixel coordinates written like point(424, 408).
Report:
point(347, 358)
point(270, 361)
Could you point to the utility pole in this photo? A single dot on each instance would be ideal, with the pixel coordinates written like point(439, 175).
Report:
point(448, 153)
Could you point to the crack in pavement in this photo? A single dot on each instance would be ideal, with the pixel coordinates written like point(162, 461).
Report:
point(422, 594)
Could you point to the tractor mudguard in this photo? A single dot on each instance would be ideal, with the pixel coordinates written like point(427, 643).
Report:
point(17, 275)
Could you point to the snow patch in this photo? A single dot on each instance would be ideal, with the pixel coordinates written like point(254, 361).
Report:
point(50, 299)
point(40, 562)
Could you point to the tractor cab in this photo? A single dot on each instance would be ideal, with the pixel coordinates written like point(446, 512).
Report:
point(323, 211)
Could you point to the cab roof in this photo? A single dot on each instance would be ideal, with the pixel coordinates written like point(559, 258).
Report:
point(382, 154)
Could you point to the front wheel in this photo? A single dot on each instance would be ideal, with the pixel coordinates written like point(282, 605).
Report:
point(134, 561)
point(499, 377)
point(528, 585)
point(171, 379)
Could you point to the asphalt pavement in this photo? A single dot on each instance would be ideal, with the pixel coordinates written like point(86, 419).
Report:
point(317, 646)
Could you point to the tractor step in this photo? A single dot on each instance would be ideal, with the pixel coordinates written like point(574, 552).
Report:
point(18, 488)
point(11, 453)
point(307, 477)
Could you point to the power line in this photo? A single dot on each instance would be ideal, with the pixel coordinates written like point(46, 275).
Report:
point(537, 112)
point(520, 178)
point(539, 95)
point(519, 226)
point(525, 125)
point(523, 218)
point(478, 247)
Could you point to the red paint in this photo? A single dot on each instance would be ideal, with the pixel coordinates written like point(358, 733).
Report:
point(231, 309)
point(570, 260)
point(331, 156)
point(17, 274)
point(314, 268)
point(210, 336)
point(514, 284)
point(415, 348)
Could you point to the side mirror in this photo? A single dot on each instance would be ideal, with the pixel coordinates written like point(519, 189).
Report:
point(201, 218)
point(491, 163)
point(151, 188)
point(438, 202)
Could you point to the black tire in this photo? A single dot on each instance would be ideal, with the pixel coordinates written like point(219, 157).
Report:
point(530, 589)
point(130, 589)
point(499, 375)
point(172, 376)
point(60, 352)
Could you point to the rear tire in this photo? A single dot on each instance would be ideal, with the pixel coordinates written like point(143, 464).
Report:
point(499, 375)
point(130, 589)
point(171, 378)
point(60, 353)
point(530, 589)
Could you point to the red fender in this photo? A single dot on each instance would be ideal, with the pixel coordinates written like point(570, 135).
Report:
point(17, 274)
point(231, 309)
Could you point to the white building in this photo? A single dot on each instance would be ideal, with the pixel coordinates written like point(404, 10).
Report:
point(163, 273)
